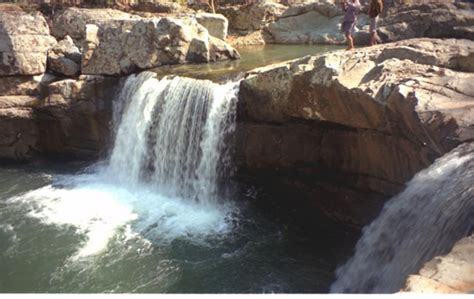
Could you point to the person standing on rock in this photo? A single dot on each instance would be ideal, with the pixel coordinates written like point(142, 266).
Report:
point(375, 8)
point(351, 7)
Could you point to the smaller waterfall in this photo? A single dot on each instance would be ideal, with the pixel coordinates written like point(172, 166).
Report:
point(435, 210)
point(172, 135)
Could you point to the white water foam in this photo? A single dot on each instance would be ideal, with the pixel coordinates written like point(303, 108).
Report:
point(177, 127)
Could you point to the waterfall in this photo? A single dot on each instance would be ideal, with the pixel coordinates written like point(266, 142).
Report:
point(162, 179)
point(172, 135)
point(434, 211)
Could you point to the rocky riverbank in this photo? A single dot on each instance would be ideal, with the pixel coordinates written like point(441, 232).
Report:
point(58, 76)
point(343, 130)
point(318, 22)
point(351, 128)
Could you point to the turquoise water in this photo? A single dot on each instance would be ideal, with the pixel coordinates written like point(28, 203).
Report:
point(73, 228)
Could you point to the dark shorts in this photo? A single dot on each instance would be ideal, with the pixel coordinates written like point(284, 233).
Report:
point(347, 27)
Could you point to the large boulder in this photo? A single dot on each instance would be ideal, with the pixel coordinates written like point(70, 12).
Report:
point(25, 41)
point(254, 16)
point(351, 128)
point(72, 21)
point(128, 46)
point(436, 20)
point(311, 23)
point(216, 24)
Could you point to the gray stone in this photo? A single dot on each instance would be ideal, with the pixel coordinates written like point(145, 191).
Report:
point(72, 21)
point(25, 41)
point(216, 24)
point(435, 20)
point(65, 58)
point(313, 23)
point(114, 49)
point(252, 17)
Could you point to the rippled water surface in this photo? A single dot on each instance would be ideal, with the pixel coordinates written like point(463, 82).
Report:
point(153, 217)
point(63, 229)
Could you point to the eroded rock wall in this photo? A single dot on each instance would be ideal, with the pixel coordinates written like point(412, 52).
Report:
point(49, 107)
point(352, 128)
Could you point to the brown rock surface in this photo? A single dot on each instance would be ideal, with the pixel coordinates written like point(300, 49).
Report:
point(25, 85)
point(74, 120)
point(18, 133)
point(357, 125)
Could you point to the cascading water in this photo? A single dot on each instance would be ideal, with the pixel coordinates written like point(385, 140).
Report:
point(172, 135)
point(161, 181)
point(435, 210)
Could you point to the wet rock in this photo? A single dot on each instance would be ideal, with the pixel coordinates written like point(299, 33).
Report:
point(74, 120)
point(451, 273)
point(25, 41)
point(65, 58)
point(216, 24)
point(361, 123)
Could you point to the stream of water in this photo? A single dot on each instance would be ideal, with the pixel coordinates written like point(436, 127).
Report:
point(156, 216)
point(434, 211)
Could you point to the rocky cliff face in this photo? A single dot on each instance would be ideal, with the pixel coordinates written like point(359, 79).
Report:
point(49, 107)
point(352, 128)
point(126, 47)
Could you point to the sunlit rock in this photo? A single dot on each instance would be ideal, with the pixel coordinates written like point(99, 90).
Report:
point(25, 41)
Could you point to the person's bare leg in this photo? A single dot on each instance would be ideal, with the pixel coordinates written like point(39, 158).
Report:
point(350, 42)
point(373, 40)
